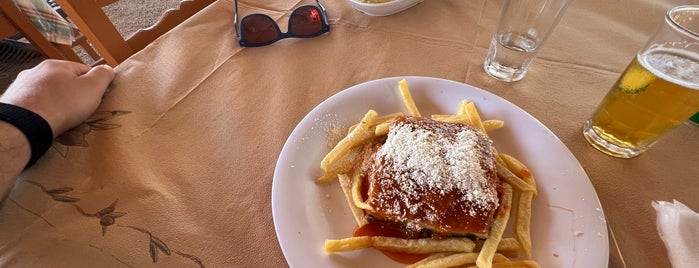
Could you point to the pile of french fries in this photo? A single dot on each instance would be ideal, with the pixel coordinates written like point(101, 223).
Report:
point(519, 188)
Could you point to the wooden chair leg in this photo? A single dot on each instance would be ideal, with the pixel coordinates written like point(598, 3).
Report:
point(69, 53)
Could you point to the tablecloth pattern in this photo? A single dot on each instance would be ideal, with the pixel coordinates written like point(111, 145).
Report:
point(176, 167)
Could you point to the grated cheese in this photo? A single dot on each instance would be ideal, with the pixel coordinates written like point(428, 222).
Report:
point(435, 160)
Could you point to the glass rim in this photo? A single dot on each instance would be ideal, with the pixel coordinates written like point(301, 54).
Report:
point(670, 18)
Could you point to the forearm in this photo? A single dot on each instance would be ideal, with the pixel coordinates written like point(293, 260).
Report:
point(14, 155)
point(40, 104)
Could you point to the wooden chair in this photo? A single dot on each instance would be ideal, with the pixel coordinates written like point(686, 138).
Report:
point(12, 21)
point(99, 30)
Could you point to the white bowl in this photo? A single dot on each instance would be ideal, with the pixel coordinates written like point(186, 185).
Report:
point(383, 9)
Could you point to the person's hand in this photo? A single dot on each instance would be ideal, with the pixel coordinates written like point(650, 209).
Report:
point(64, 93)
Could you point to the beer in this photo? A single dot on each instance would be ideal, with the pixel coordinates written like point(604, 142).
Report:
point(657, 91)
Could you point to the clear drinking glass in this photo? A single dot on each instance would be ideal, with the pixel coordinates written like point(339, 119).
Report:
point(522, 30)
point(657, 92)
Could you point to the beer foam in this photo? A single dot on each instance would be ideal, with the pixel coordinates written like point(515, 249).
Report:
point(674, 65)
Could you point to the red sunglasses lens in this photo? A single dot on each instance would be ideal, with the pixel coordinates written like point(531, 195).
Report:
point(306, 21)
point(258, 29)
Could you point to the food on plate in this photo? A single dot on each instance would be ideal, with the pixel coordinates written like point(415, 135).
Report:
point(432, 192)
point(432, 175)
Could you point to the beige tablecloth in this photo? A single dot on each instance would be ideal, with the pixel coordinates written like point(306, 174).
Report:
point(176, 168)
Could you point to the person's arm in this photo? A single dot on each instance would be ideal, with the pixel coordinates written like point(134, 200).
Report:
point(14, 154)
point(62, 93)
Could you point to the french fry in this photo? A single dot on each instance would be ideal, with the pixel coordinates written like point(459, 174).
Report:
point(490, 125)
point(326, 177)
point(428, 259)
point(347, 244)
point(490, 246)
point(461, 110)
point(512, 179)
point(509, 247)
point(519, 169)
point(451, 260)
point(379, 120)
point(358, 136)
point(423, 245)
point(500, 258)
point(357, 192)
point(343, 165)
point(382, 129)
point(358, 213)
point(475, 117)
point(522, 222)
point(388, 117)
point(408, 98)
point(513, 264)
point(497, 258)
point(414, 246)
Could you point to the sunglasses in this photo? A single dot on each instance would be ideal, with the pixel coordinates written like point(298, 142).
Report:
point(260, 30)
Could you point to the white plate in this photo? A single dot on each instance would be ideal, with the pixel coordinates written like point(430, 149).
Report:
point(383, 9)
point(568, 225)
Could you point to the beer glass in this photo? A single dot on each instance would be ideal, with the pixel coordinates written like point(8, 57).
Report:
point(657, 92)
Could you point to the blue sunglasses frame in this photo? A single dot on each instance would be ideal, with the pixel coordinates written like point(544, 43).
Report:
point(325, 26)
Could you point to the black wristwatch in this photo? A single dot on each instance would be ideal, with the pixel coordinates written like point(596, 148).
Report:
point(32, 125)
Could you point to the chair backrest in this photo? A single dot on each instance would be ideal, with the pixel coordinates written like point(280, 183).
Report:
point(100, 31)
point(14, 21)
point(6, 27)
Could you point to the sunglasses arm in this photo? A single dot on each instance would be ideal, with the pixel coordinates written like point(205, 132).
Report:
point(235, 22)
point(322, 8)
